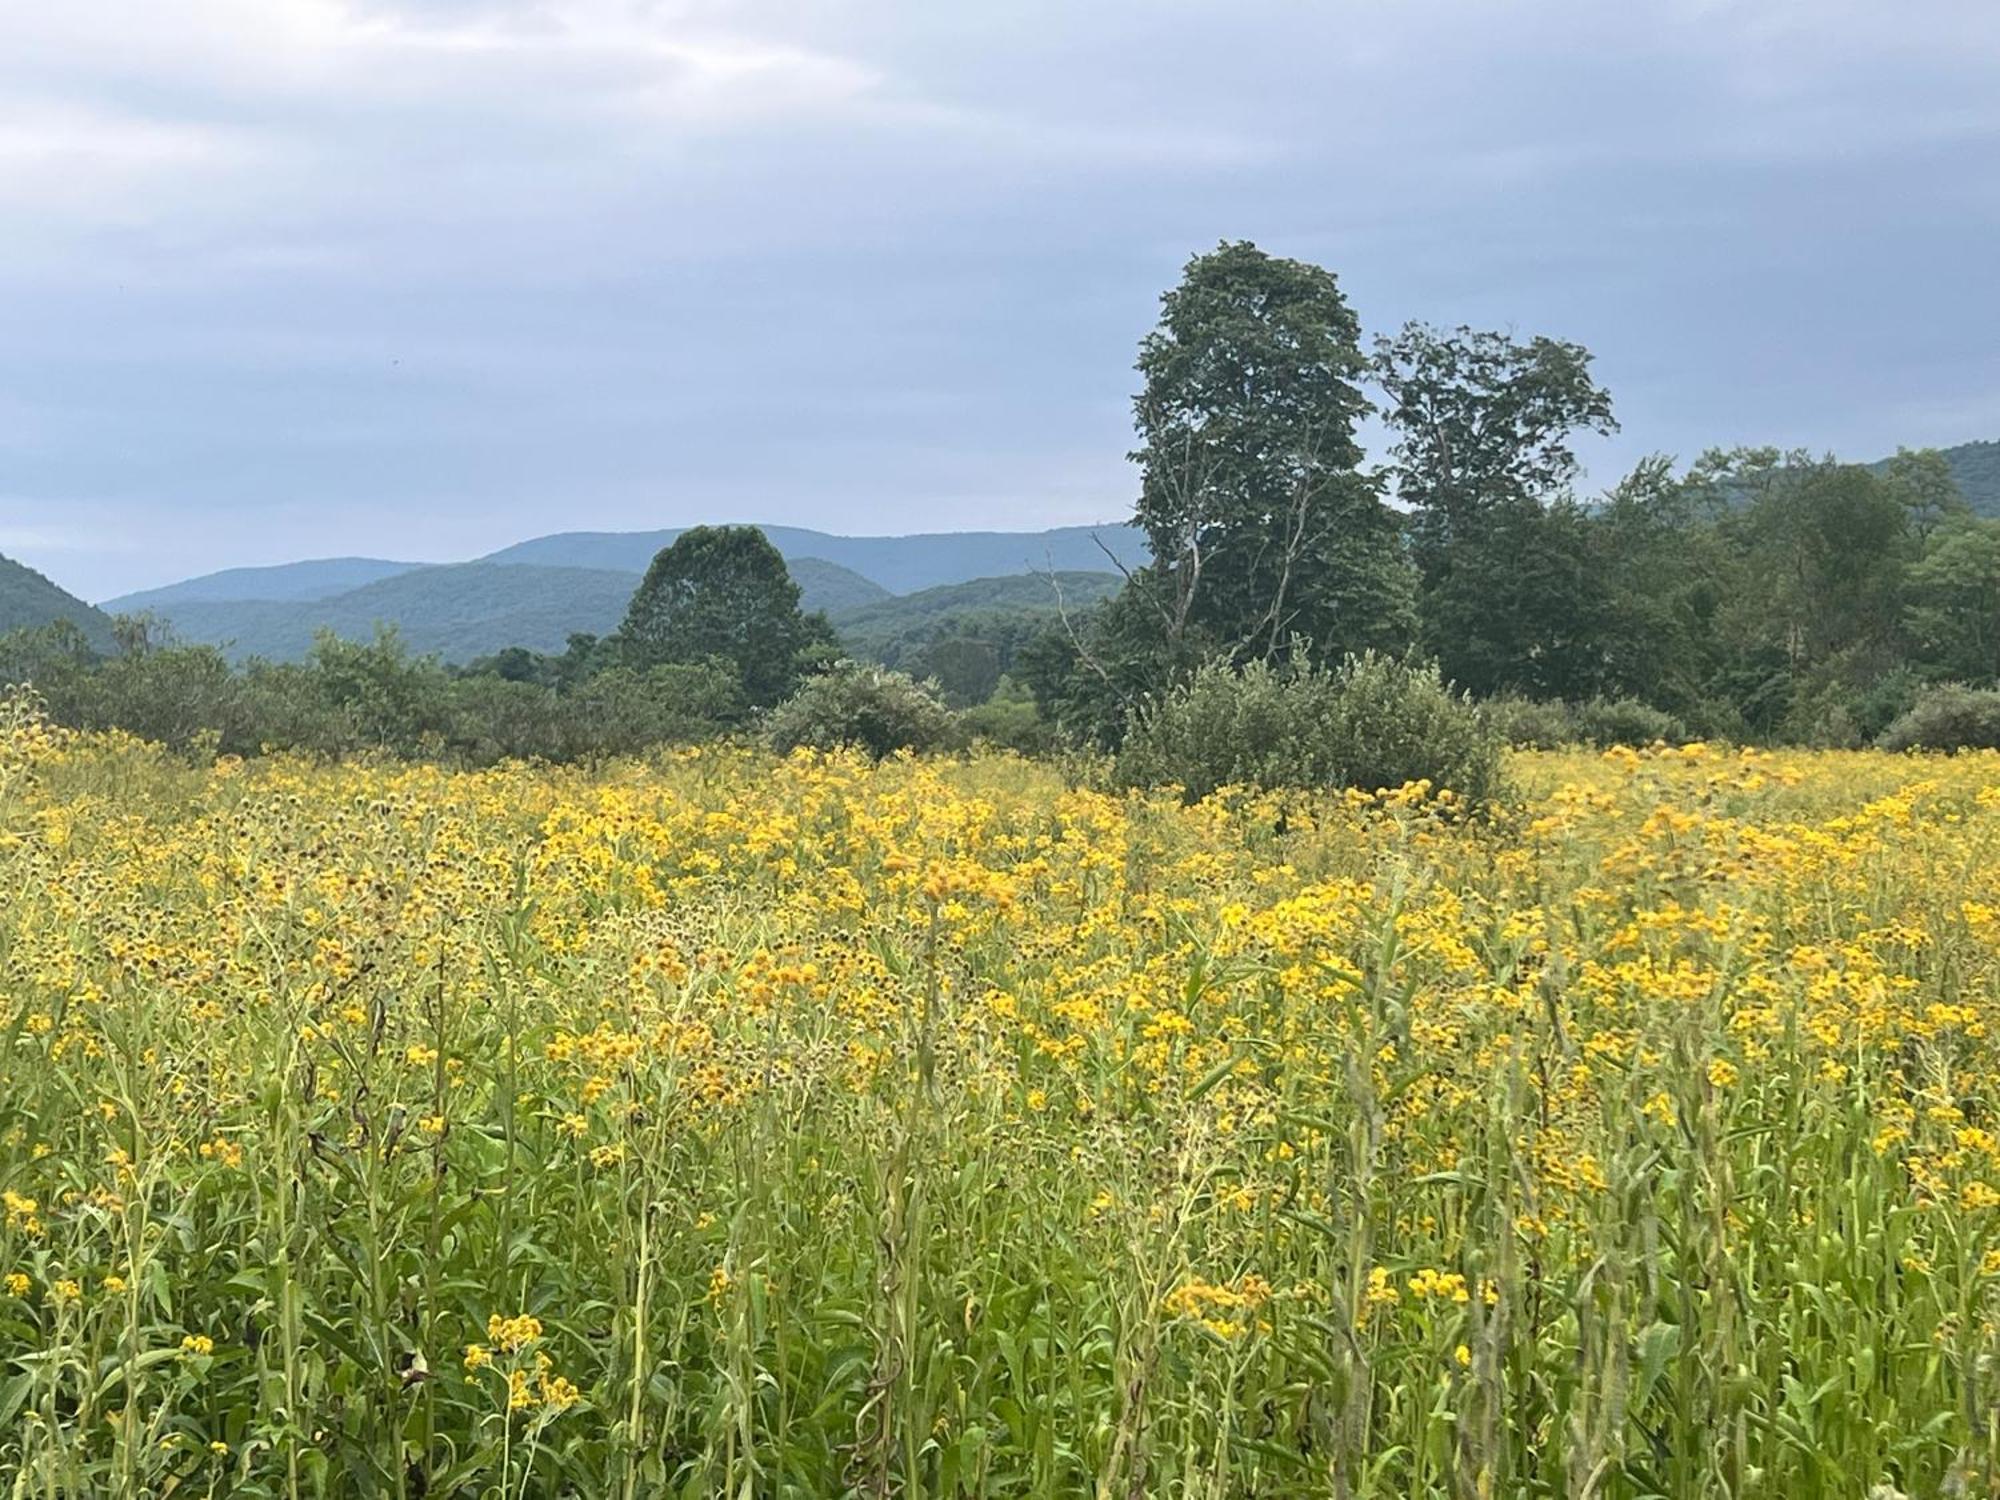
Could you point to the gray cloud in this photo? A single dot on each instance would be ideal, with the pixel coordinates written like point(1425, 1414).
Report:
point(295, 277)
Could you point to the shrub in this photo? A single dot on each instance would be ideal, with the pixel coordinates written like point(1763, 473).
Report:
point(1626, 721)
point(1373, 722)
point(1546, 724)
point(869, 708)
point(1009, 720)
point(1531, 723)
point(1950, 716)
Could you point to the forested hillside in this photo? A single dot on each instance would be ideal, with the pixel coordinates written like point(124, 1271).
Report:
point(1975, 468)
point(318, 578)
point(28, 600)
point(460, 612)
point(900, 564)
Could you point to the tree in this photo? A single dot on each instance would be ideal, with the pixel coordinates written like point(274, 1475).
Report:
point(722, 593)
point(1663, 574)
point(1954, 600)
point(1482, 458)
point(1262, 528)
point(1921, 479)
point(1483, 422)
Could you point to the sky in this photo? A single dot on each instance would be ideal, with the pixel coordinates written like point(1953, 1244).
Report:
point(421, 278)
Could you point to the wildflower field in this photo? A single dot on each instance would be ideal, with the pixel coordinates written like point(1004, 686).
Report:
point(727, 1126)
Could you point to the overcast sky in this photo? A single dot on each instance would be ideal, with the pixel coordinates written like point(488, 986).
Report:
point(418, 278)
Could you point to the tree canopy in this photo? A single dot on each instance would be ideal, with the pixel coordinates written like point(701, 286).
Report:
point(722, 594)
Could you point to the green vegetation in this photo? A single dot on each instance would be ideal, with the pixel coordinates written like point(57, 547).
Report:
point(1369, 722)
point(1975, 473)
point(1950, 716)
point(864, 708)
point(1751, 595)
point(460, 612)
point(28, 601)
point(899, 564)
point(317, 578)
point(967, 636)
point(721, 595)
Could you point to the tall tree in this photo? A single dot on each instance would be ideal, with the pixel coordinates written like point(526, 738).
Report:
point(1922, 480)
point(722, 593)
point(1954, 600)
point(1262, 527)
point(1482, 458)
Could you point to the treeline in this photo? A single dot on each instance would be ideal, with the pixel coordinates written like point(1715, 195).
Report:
point(714, 643)
point(1296, 597)
point(1754, 595)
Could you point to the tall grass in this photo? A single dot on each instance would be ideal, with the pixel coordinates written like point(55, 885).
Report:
point(734, 1126)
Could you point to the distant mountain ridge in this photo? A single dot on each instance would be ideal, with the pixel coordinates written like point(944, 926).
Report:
point(900, 564)
point(317, 578)
point(1976, 468)
point(28, 600)
point(539, 592)
point(459, 611)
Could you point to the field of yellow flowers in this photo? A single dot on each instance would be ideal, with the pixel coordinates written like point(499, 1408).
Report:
point(727, 1126)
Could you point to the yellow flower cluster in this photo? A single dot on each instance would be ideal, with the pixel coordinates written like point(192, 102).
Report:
point(926, 1107)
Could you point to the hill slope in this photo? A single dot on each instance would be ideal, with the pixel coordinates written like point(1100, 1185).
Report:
point(900, 564)
point(463, 610)
point(319, 578)
point(1976, 467)
point(27, 599)
point(829, 586)
point(1000, 611)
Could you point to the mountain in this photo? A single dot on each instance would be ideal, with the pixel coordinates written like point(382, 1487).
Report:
point(829, 586)
point(27, 599)
point(900, 564)
point(461, 610)
point(1976, 467)
point(996, 610)
point(321, 578)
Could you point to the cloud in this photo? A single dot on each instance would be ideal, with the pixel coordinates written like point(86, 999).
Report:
point(415, 276)
point(92, 160)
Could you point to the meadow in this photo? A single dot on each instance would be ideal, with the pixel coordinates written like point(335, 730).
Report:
point(724, 1125)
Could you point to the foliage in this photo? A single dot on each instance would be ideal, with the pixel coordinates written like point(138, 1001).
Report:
point(1526, 723)
point(1008, 719)
point(862, 707)
point(1953, 599)
point(1483, 423)
point(1370, 723)
point(722, 594)
point(1262, 529)
point(29, 601)
point(729, 1126)
point(1550, 724)
point(374, 697)
point(1950, 716)
point(1509, 596)
point(968, 635)
point(1975, 473)
point(460, 613)
point(897, 564)
point(1605, 722)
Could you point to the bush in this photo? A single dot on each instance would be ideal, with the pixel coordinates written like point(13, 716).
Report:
point(1373, 722)
point(1545, 724)
point(1626, 721)
point(1531, 723)
point(1950, 716)
point(869, 708)
point(1009, 720)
